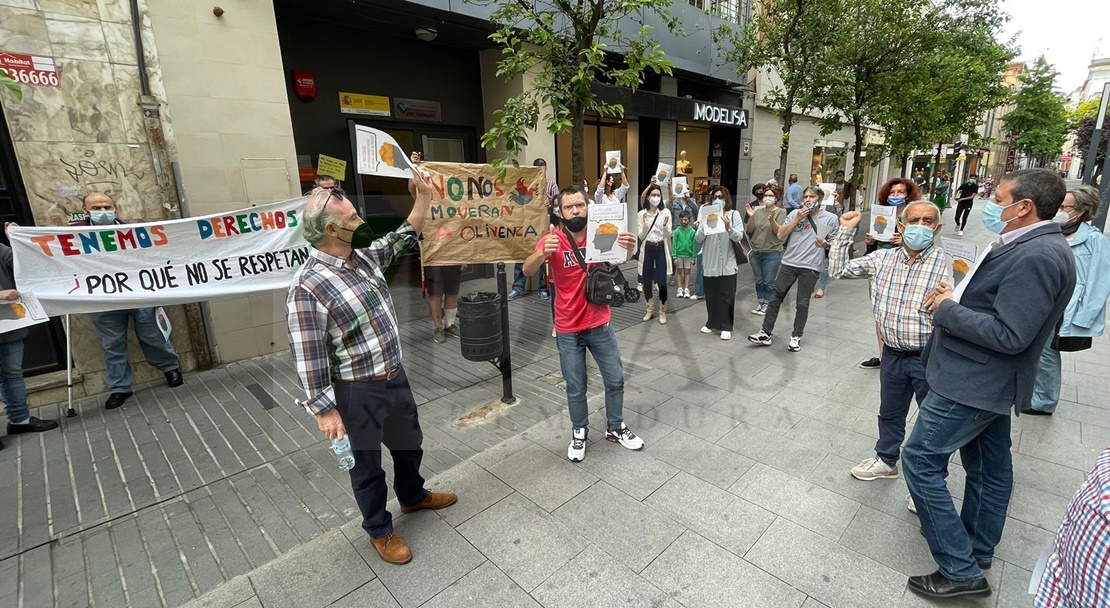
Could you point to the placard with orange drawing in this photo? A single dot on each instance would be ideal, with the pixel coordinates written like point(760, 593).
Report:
point(23, 312)
point(606, 222)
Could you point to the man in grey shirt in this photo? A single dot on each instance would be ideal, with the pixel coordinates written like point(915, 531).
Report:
point(806, 231)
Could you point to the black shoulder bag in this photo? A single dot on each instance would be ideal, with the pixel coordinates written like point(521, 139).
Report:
point(602, 281)
point(738, 250)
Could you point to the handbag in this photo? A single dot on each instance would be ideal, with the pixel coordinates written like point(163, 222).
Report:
point(603, 281)
point(1071, 344)
point(739, 251)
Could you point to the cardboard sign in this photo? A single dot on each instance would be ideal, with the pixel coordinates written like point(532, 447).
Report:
point(331, 166)
point(477, 217)
point(32, 70)
point(79, 269)
point(710, 217)
point(884, 219)
point(678, 186)
point(379, 154)
point(613, 162)
point(23, 312)
point(662, 174)
point(962, 256)
point(606, 222)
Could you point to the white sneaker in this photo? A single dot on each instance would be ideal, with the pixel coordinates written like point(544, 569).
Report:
point(762, 338)
point(705, 330)
point(958, 233)
point(577, 450)
point(795, 344)
point(624, 437)
point(874, 468)
point(694, 297)
point(909, 504)
point(758, 310)
point(726, 335)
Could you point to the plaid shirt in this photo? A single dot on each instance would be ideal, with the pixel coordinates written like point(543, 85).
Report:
point(899, 288)
point(342, 324)
point(1077, 574)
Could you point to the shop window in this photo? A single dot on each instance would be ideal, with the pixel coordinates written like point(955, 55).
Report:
point(601, 135)
point(734, 11)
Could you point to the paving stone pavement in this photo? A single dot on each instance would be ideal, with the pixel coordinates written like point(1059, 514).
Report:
point(224, 492)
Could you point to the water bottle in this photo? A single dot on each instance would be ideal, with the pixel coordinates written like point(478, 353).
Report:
point(343, 453)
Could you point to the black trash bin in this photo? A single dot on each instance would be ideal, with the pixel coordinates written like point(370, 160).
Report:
point(480, 325)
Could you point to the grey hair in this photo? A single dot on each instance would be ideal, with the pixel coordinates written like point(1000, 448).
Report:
point(923, 201)
point(1087, 200)
point(317, 215)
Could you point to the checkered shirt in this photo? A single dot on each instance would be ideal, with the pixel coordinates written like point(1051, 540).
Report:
point(898, 288)
point(342, 324)
point(1077, 574)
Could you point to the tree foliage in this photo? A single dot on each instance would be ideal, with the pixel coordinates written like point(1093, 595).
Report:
point(564, 45)
point(1039, 118)
point(790, 38)
point(1081, 121)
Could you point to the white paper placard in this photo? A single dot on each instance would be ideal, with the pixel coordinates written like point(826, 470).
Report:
point(606, 223)
point(379, 154)
point(884, 219)
point(613, 162)
point(678, 186)
point(663, 173)
point(22, 312)
point(710, 217)
point(830, 196)
point(962, 256)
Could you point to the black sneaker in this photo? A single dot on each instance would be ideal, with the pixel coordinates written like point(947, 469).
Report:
point(872, 363)
point(33, 425)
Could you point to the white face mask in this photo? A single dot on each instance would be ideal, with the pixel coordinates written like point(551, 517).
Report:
point(654, 200)
point(1062, 217)
point(718, 201)
point(768, 200)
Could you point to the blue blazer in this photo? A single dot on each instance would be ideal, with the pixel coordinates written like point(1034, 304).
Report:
point(985, 349)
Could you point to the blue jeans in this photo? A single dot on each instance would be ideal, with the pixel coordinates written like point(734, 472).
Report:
point(13, 389)
point(943, 426)
point(699, 288)
point(765, 267)
point(1046, 389)
point(823, 281)
point(602, 343)
point(157, 349)
point(901, 378)
point(519, 280)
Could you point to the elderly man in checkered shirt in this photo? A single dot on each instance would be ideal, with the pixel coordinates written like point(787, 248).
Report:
point(903, 277)
point(347, 351)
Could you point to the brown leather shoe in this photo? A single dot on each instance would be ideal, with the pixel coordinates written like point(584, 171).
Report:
point(392, 549)
point(433, 501)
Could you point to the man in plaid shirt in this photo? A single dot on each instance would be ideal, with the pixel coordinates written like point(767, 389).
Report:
point(343, 333)
point(903, 277)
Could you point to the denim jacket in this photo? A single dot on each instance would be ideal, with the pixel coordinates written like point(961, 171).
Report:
point(1086, 312)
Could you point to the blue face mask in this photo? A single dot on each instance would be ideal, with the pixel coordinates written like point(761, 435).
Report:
point(917, 238)
point(895, 201)
point(102, 218)
point(992, 216)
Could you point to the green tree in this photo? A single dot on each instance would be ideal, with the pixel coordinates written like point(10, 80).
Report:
point(789, 38)
point(565, 45)
point(1039, 118)
point(1081, 122)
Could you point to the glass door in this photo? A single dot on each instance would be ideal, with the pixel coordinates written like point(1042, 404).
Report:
point(45, 351)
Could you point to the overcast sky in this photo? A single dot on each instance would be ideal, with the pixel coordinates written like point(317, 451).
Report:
point(1067, 32)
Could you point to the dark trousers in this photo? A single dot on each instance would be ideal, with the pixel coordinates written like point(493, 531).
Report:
point(959, 541)
point(655, 270)
point(963, 211)
point(374, 413)
point(901, 378)
point(788, 275)
point(720, 301)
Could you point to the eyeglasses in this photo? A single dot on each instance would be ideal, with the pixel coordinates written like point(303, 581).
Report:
point(332, 193)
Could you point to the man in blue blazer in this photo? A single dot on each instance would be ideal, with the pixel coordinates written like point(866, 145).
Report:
point(981, 363)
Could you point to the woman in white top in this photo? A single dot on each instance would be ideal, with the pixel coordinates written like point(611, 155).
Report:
point(655, 248)
point(605, 194)
point(719, 264)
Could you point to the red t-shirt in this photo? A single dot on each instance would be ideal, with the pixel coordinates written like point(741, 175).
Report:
point(572, 312)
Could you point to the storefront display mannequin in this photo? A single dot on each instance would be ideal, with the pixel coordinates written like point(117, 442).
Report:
point(683, 166)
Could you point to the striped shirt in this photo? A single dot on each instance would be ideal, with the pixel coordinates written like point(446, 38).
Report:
point(342, 324)
point(1077, 574)
point(899, 288)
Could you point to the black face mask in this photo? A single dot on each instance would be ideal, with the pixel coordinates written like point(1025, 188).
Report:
point(575, 224)
point(361, 237)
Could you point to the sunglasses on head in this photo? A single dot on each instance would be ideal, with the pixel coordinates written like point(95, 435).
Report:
point(333, 192)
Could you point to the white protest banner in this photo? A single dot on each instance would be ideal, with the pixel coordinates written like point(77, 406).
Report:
point(98, 268)
point(22, 312)
point(379, 154)
point(710, 217)
point(606, 222)
point(961, 257)
point(662, 174)
point(884, 218)
point(613, 162)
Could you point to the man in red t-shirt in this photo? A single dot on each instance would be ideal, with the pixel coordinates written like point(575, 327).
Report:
point(582, 325)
